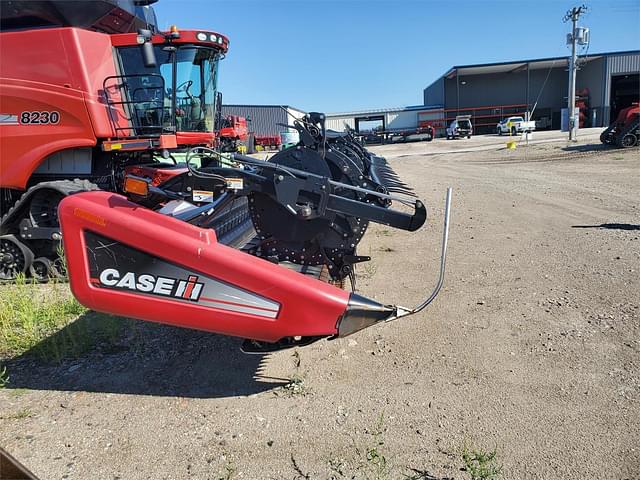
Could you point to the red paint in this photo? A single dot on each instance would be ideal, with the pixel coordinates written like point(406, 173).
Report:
point(309, 307)
point(62, 70)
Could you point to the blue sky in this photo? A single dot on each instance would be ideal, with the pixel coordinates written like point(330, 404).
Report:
point(345, 55)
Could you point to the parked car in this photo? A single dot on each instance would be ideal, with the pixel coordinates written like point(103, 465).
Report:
point(461, 127)
point(514, 125)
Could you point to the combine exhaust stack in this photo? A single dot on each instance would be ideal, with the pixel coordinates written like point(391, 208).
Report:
point(179, 259)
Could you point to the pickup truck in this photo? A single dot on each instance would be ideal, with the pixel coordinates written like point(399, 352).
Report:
point(514, 125)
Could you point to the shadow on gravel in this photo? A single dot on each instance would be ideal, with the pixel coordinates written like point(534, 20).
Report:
point(611, 226)
point(144, 358)
point(590, 147)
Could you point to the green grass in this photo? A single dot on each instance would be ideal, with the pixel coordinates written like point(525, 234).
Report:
point(480, 464)
point(38, 319)
point(295, 385)
point(19, 415)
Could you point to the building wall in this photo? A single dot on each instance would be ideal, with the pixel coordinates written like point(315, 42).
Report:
point(337, 123)
point(546, 86)
point(617, 65)
point(265, 118)
point(434, 93)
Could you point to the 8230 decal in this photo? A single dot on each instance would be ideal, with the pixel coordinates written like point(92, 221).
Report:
point(39, 118)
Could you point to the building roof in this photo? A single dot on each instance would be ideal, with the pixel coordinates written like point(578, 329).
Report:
point(533, 64)
point(248, 105)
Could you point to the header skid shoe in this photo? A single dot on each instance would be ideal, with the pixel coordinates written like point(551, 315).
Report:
point(127, 260)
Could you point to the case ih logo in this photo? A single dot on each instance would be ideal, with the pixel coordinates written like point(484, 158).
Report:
point(189, 289)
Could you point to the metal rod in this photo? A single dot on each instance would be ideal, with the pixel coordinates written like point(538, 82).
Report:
point(443, 255)
point(402, 311)
point(370, 192)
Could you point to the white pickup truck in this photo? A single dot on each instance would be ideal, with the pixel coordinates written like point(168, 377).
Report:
point(514, 125)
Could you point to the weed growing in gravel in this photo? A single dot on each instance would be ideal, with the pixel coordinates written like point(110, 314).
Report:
point(229, 471)
point(480, 464)
point(368, 270)
point(37, 318)
point(19, 415)
point(375, 454)
point(296, 385)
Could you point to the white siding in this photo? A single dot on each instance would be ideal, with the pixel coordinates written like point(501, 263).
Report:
point(337, 123)
point(619, 65)
point(294, 114)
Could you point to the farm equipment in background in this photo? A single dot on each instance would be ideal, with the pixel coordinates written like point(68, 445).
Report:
point(625, 131)
point(582, 105)
point(234, 133)
point(268, 142)
point(418, 134)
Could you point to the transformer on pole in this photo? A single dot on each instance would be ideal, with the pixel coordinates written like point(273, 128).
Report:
point(578, 36)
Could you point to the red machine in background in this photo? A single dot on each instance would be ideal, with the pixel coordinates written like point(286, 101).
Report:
point(234, 133)
point(625, 131)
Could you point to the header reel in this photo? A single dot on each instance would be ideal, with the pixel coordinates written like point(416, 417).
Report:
point(306, 209)
point(310, 204)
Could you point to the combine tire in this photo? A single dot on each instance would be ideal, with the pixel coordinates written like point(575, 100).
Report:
point(15, 258)
point(627, 138)
point(42, 269)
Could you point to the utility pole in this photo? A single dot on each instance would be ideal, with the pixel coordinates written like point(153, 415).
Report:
point(573, 15)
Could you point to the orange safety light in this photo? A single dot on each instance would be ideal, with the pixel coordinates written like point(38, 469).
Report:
point(137, 186)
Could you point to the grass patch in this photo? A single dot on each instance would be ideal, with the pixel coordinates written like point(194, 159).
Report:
point(480, 464)
point(19, 415)
point(37, 318)
point(296, 385)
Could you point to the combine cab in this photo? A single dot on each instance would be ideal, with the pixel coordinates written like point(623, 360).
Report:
point(625, 131)
point(91, 91)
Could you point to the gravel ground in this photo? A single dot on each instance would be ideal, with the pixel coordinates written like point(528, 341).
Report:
point(531, 348)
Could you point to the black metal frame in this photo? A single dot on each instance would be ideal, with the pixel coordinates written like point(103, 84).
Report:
point(129, 110)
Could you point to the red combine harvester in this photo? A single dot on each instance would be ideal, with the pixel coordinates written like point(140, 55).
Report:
point(625, 131)
point(97, 107)
point(234, 133)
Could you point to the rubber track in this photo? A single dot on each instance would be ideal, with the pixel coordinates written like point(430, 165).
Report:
point(628, 129)
point(65, 187)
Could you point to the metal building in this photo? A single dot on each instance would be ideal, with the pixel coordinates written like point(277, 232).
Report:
point(265, 119)
point(606, 83)
point(387, 119)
